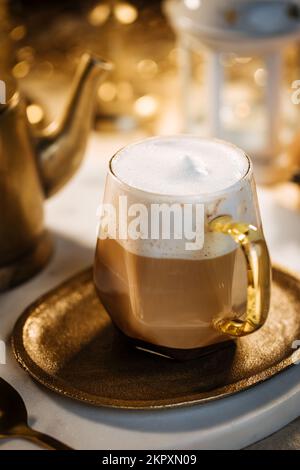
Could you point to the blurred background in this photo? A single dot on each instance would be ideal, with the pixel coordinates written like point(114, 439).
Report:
point(156, 84)
point(41, 43)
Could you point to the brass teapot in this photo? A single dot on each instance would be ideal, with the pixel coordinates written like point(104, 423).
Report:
point(34, 165)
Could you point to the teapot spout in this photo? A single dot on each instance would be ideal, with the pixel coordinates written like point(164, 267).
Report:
point(61, 146)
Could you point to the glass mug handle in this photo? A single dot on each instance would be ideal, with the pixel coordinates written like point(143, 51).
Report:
point(255, 250)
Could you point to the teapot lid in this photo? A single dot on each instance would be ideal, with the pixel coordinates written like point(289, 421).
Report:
point(8, 91)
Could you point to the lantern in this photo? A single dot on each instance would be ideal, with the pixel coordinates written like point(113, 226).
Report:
point(237, 67)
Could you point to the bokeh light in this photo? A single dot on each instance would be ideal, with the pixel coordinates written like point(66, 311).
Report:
point(18, 33)
point(35, 113)
point(147, 68)
point(125, 13)
point(107, 91)
point(99, 14)
point(21, 69)
point(146, 106)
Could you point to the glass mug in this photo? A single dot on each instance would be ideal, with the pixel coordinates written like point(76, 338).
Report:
point(178, 302)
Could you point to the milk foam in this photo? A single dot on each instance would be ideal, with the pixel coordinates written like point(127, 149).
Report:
point(180, 165)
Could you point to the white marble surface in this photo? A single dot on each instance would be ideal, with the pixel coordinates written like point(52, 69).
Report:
point(231, 423)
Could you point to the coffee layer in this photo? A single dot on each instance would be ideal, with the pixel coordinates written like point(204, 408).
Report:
point(169, 302)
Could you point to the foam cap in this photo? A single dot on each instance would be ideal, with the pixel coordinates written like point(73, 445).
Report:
point(180, 165)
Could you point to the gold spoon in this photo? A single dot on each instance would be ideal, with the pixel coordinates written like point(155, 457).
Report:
point(14, 420)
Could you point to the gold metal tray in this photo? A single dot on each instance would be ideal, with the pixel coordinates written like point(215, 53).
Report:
point(66, 341)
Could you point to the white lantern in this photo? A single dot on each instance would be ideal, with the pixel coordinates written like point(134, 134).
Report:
point(246, 104)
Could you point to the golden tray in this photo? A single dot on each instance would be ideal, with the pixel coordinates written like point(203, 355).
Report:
point(66, 341)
